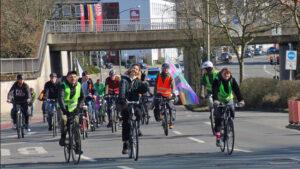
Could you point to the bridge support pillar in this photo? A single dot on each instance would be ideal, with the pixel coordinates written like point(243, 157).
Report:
point(283, 47)
point(192, 70)
point(64, 62)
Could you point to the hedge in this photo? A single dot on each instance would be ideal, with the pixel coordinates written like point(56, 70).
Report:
point(269, 93)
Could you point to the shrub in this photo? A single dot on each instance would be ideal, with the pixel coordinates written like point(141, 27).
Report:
point(269, 93)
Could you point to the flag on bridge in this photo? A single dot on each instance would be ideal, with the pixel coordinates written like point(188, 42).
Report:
point(186, 93)
point(80, 70)
point(99, 18)
point(91, 16)
point(82, 20)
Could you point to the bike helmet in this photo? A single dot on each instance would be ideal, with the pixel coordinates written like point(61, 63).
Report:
point(165, 66)
point(207, 64)
point(19, 77)
point(112, 72)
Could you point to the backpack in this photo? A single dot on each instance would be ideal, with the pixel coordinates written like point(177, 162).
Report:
point(42, 96)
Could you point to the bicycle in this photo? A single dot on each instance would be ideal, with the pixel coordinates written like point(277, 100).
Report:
point(144, 107)
point(20, 125)
point(73, 142)
point(91, 114)
point(227, 129)
point(134, 125)
point(52, 104)
point(211, 113)
point(84, 122)
point(167, 117)
point(114, 113)
point(100, 118)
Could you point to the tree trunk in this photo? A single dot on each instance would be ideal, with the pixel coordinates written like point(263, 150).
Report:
point(241, 63)
point(192, 70)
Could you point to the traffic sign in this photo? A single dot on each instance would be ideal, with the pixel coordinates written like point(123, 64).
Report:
point(291, 60)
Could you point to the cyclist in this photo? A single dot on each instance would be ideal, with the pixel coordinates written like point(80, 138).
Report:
point(89, 94)
point(33, 95)
point(130, 88)
point(19, 94)
point(223, 88)
point(100, 90)
point(51, 89)
point(70, 98)
point(209, 74)
point(111, 88)
point(164, 86)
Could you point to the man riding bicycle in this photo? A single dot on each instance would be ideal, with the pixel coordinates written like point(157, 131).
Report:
point(70, 99)
point(51, 89)
point(130, 89)
point(164, 86)
point(89, 94)
point(209, 75)
point(223, 88)
point(19, 94)
point(111, 88)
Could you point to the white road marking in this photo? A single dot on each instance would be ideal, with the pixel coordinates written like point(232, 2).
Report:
point(7, 144)
point(296, 159)
point(15, 136)
point(197, 140)
point(5, 152)
point(124, 167)
point(207, 122)
point(245, 151)
point(177, 132)
point(87, 158)
point(32, 150)
point(265, 69)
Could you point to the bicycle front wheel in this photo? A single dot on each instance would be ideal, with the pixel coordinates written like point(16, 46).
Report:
point(18, 125)
point(76, 146)
point(230, 136)
point(54, 124)
point(165, 123)
point(22, 125)
point(134, 142)
point(67, 149)
point(212, 120)
point(223, 138)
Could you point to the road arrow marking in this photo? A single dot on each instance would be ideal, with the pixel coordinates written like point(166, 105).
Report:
point(197, 140)
point(5, 152)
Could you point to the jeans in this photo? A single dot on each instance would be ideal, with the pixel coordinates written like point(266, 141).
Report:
point(218, 112)
point(91, 109)
point(24, 110)
point(51, 107)
point(170, 106)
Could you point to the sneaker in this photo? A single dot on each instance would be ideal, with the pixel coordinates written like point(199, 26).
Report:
point(140, 133)
point(218, 143)
point(171, 126)
point(14, 126)
point(218, 139)
point(28, 130)
point(62, 142)
point(109, 124)
point(125, 148)
point(50, 128)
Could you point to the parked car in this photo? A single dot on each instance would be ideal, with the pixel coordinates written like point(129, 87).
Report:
point(248, 53)
point(257, 51)
point(272, 50)
point(152, 75)
point(225, 57)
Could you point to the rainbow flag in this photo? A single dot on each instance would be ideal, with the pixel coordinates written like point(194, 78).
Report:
point(186, 93)
point(91, 16)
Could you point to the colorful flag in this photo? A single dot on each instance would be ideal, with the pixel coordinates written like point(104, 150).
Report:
point(99, 18)
point(186, 93)
point(82, 20)
point(80, 70)
point(91, 17)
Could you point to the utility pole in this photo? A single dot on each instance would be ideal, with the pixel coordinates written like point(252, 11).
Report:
point(208, 30)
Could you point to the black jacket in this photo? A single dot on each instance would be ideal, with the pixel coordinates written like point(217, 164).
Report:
point(19, 94)
point(235, 87)
point(130, 89)
point(62, 94)
point(51, 90)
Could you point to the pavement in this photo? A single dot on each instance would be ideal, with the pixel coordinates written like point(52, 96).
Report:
point(262, 141)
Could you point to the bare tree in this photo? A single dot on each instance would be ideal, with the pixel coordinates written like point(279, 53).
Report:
point(293, 7)
point(21, 26)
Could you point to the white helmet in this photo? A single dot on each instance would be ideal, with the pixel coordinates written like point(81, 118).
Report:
point(207, 64)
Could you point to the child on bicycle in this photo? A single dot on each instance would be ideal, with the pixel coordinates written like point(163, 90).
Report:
point(223, 88)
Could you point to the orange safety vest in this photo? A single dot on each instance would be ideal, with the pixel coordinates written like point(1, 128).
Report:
point(164, 88)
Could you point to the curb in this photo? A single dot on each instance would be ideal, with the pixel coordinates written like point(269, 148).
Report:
point(8, 124)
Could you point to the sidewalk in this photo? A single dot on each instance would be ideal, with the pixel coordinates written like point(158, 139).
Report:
point(6, 121)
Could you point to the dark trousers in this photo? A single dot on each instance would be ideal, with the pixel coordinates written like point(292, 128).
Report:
point(24, 110)
point(126, 124)
point(170, 107)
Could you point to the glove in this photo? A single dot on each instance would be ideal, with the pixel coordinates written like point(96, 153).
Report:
point(241, 103)
point(216, 103)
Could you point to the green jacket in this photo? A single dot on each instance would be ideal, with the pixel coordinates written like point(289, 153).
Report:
point(208, 78)
point(100, 89)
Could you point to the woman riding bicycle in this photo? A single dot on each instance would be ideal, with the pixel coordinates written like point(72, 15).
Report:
point(222, 89)
point(130, 88)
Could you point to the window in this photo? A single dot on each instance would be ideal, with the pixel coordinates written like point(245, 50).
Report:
point(77, 11)
point(66, 9)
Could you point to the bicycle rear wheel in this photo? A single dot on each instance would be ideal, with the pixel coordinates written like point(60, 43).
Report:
point(165, 123)
point(230, 136)
point(76, 145)
point(212, 120)
point(54, 124)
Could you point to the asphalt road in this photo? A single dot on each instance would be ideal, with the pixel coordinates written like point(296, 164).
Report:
point(262, 141)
